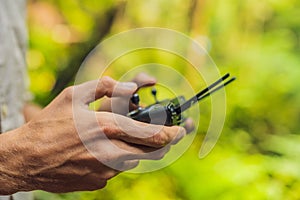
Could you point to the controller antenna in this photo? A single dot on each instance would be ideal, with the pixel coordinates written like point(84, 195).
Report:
point(154, 92)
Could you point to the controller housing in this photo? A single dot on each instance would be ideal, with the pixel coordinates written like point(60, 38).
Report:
point(169, 112)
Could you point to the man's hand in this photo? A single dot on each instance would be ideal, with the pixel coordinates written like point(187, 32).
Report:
point(48, 153)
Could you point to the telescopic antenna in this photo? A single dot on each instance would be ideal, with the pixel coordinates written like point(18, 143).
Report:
point(216, 89)
point(205, 93)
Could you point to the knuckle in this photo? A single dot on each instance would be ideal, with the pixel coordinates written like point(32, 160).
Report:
point(160, 139)
point(109, 131)
point(107, 84)
point(106, 81)
point(68, 93)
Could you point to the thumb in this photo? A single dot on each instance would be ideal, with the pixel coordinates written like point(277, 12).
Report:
point(144, 80)
point(106, 86)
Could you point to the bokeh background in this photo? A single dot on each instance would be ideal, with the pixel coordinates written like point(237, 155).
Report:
point(257, 155)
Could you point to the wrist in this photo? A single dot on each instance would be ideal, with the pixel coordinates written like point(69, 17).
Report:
point(13, 174)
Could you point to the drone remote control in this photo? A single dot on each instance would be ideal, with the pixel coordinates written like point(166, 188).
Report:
point(169, 111)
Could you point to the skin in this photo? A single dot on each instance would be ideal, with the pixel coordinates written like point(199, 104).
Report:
point(30, 110)
point(47, 154)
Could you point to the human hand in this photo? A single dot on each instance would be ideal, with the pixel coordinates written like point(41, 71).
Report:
point(50, 151)
point(122, 105)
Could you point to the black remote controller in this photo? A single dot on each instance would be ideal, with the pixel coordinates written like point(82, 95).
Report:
point(169, 111)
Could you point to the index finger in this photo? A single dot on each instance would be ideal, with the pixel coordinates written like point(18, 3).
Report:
point(132, 131)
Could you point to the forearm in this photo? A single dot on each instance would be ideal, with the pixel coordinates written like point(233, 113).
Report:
point(12, 173)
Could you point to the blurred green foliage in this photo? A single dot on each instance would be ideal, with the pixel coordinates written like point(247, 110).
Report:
point(258, 41)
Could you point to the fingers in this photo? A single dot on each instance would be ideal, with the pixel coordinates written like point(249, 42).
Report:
point(144, 80)
point(132, 131)
point(106, 86)
point(132, 152)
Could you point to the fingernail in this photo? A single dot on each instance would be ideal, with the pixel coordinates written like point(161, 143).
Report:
point(152, 80)
point(129, 85)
